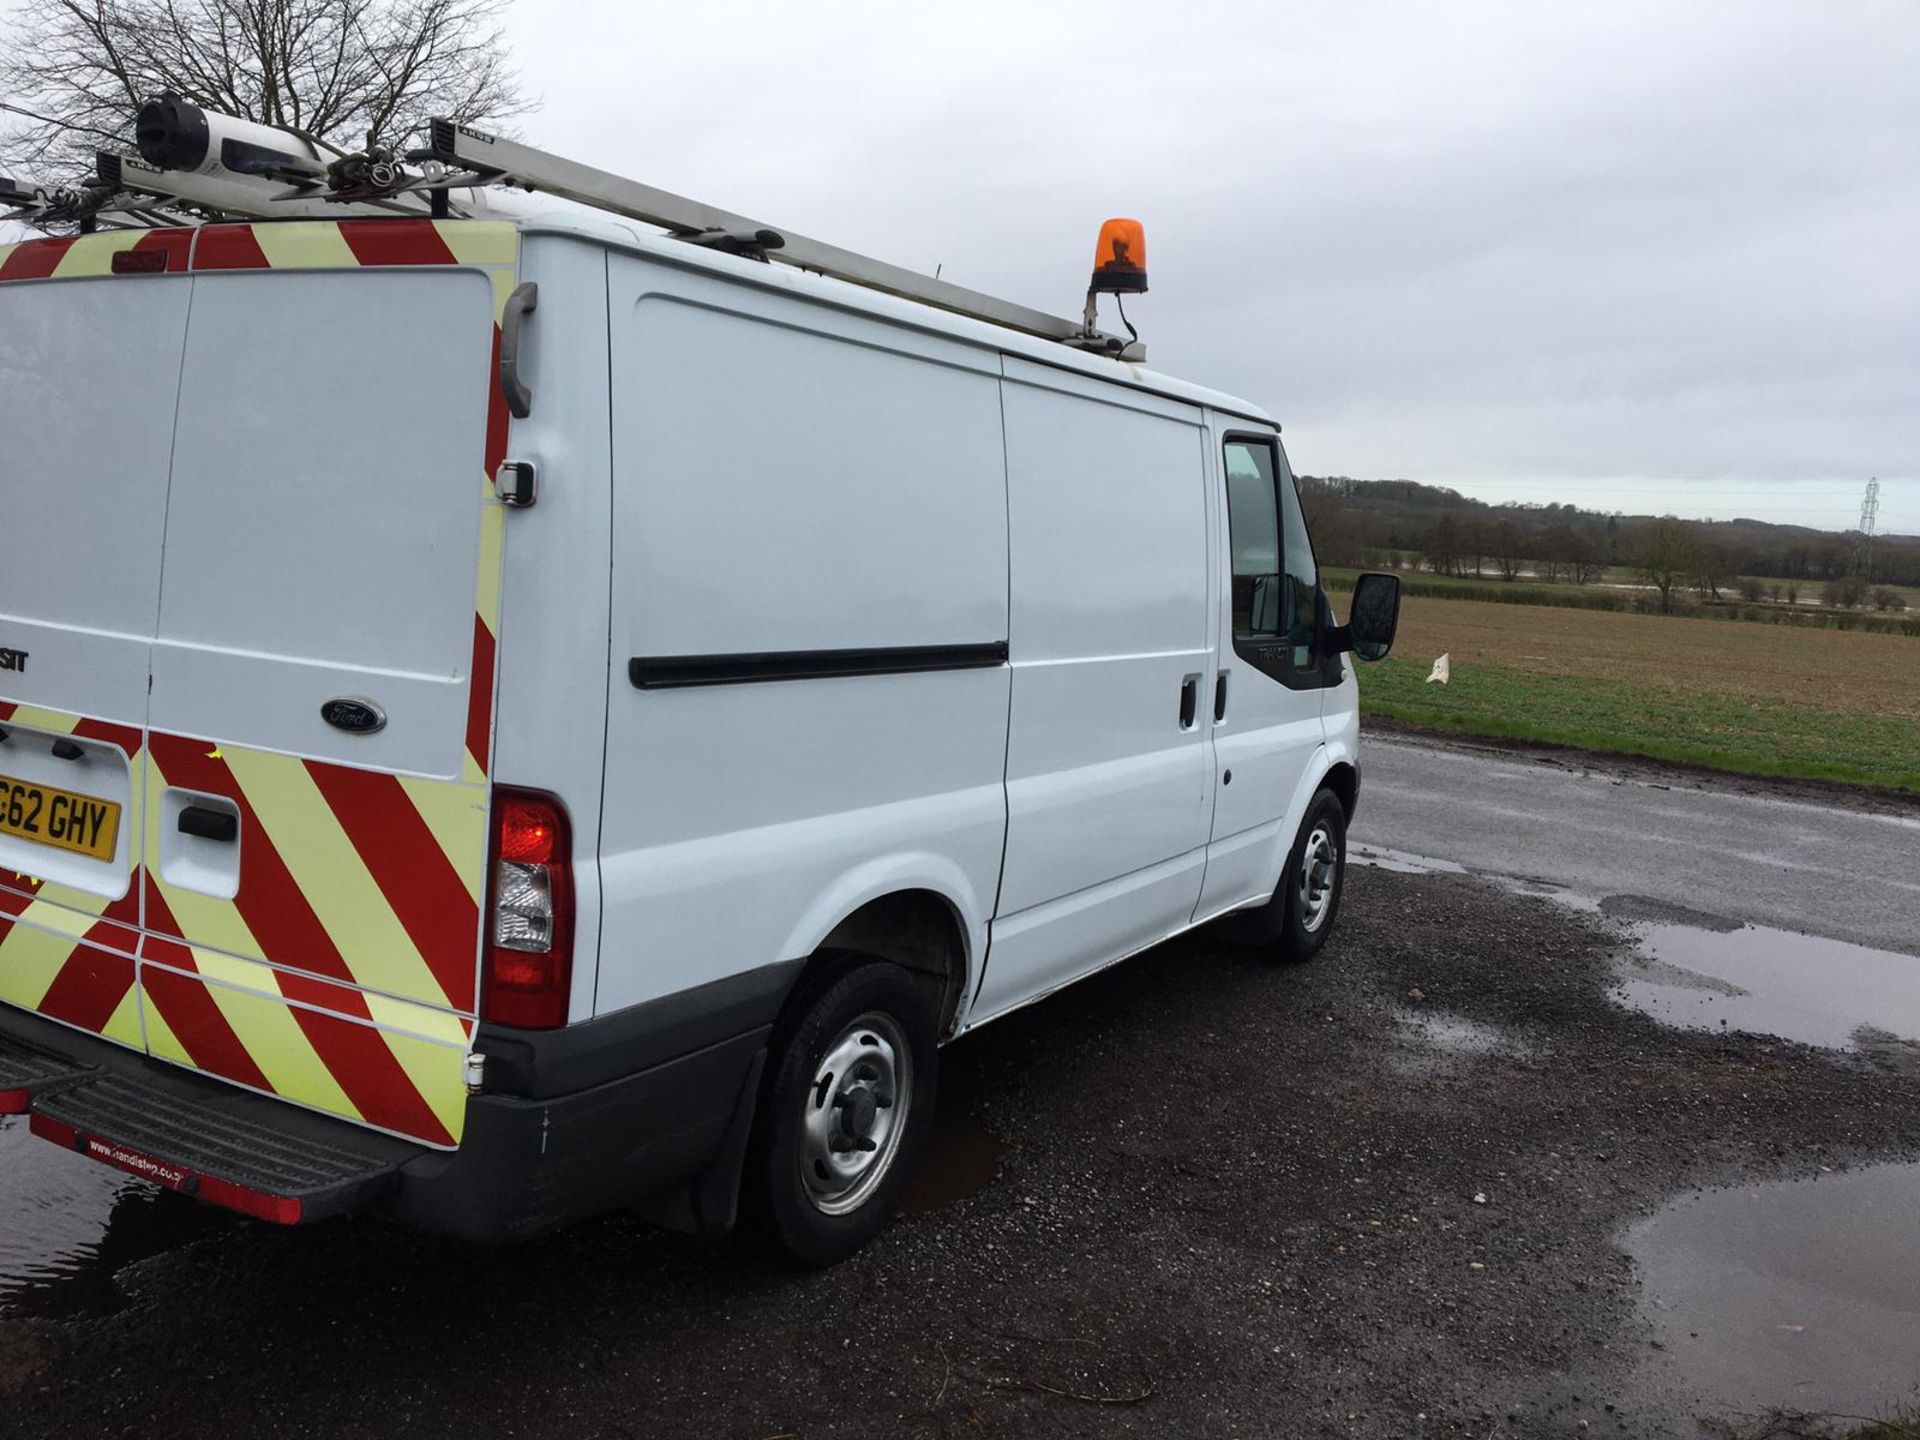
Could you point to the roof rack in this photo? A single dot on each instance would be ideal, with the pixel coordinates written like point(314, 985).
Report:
point(80, 205)
point(235, 195)
point(129, 193)
point(196, 164)
point(490, 159)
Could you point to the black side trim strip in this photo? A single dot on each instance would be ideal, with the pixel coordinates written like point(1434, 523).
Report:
point(666, 672)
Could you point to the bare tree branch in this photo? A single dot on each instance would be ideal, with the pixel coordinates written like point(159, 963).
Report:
point(340, 71)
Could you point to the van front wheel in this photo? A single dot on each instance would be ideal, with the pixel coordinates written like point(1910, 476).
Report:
point(845, 1116)
point(1295, 923)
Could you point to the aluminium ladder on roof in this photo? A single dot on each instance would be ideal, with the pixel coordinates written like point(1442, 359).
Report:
point(509, 162)
point(462, 158)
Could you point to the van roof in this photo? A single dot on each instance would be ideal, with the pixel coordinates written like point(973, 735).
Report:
point(621, 235)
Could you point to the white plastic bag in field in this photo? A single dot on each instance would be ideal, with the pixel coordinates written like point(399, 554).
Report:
point(1442, 668)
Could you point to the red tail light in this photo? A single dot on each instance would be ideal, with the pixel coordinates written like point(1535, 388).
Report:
point(529, 968)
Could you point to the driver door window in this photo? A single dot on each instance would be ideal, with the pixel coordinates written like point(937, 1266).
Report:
point(1275, 582)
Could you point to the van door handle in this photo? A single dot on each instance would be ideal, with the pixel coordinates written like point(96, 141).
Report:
point(1189, 701)
point(1220, 697)
point(206, 823)
point(524, 300)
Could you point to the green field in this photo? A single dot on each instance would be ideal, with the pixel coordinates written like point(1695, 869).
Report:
point(1751, 699)
point(1723, 732)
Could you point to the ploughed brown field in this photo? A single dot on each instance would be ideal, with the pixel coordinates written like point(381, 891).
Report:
point(1850, 671)
point(1757, 699)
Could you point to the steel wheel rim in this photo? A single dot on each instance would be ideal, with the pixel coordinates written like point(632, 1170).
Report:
point(1319, 864)
point(855, 1114)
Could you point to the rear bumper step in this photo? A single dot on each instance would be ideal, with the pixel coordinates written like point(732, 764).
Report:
point(227, 1147)
point(226, 1160)
point(525, 1165)
point(27, 1072)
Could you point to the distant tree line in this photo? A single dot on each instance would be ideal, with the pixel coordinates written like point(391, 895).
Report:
point(1401, 524)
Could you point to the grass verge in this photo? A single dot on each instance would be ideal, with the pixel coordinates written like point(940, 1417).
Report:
point(1745, 735)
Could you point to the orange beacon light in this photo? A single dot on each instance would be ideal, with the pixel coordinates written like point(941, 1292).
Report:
point(1120, 259)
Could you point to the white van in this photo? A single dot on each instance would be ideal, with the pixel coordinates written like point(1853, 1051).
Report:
point(500, 721)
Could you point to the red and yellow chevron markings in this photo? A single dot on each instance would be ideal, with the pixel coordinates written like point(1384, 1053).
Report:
point(342, 973)
point(72, 257)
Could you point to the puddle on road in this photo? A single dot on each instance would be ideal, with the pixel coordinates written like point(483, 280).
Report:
point(1401, 862)
point(1772, 982)
point(72, 1225)
point(1793, 1295)
point(962, 1159)
point(1405, 862)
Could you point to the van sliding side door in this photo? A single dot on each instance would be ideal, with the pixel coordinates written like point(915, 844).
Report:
point(1108, 764)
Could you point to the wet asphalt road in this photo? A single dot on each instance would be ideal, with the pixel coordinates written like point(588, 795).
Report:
point(1434, 1184)
point(1789, 857)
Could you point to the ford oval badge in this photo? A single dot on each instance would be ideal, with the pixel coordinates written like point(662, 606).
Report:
point(356, 717)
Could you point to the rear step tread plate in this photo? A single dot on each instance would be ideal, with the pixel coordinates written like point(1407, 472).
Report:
point(182, 1144)
point(26, 1071)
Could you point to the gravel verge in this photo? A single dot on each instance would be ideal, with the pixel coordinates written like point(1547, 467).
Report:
point(1374, 1196)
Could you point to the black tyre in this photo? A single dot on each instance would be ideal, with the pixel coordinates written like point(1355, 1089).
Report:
point(1295, 923)
point(845, 1113)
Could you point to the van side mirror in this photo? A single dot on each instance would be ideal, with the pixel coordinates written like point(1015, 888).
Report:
point(1372, 617)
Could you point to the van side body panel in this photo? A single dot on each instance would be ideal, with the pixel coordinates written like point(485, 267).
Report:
point(551, 721)
point(801, 494)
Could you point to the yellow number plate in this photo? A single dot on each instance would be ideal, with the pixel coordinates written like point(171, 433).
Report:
point(80, 823)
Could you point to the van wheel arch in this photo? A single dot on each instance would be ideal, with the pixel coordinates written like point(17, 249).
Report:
point(918, 930)
point(1344, 781)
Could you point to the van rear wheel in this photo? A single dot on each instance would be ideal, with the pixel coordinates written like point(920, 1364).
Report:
point(846, 1112)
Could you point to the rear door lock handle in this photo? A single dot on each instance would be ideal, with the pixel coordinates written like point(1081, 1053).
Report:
point(206, 823)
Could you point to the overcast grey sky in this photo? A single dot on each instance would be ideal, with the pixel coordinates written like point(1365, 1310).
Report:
point(1641, 256)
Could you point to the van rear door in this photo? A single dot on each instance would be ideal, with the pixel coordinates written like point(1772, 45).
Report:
point(322, 678)
point(312, 662)
point(89, 369)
